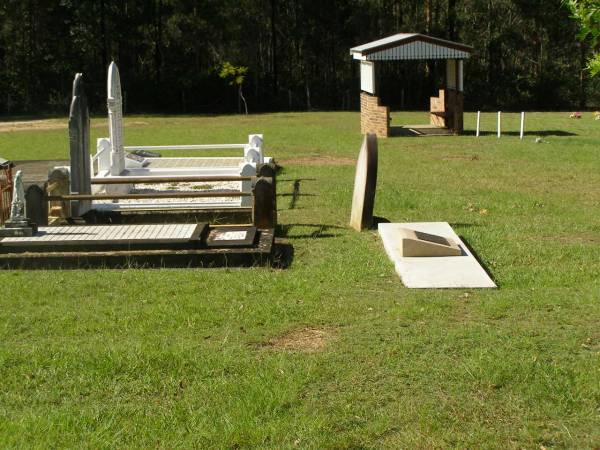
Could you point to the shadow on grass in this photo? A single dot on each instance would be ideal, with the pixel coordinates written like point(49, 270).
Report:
point(481, 263)
point(283, 256)
point(540, 133)
point(321, 231)
point(377, 220)
point(295, 194)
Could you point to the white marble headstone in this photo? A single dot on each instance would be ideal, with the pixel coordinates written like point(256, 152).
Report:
point(115, 120)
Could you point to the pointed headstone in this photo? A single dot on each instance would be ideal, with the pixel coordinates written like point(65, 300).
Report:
point(18, 225)
point(79, 143)
point(115, 120)
point(365, 183)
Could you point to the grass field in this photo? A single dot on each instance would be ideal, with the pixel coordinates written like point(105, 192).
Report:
point(332, 352)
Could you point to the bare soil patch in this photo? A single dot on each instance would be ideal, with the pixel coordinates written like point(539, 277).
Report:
point(319, 161)
point(304, 339)
point(28, 125)
point(51, 124)
point(460, 158)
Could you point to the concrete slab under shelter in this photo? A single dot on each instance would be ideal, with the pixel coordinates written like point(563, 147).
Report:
point(462, 271)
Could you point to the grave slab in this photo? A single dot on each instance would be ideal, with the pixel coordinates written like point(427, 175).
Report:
point(433, 272)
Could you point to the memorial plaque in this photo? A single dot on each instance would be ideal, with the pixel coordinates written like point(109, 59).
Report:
point(365, 183)
point(418, 243)
point(231, 237)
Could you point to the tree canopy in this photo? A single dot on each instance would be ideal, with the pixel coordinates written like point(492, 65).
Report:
point(170, 53)
point(587, 13)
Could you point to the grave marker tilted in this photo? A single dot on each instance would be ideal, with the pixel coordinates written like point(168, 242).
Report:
point(365, 183)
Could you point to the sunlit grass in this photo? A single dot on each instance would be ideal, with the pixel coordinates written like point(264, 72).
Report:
point(178, 358)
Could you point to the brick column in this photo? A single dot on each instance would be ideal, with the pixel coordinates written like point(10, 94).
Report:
point(374, 118)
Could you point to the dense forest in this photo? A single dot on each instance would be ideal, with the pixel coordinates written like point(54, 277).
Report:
point(170, 53)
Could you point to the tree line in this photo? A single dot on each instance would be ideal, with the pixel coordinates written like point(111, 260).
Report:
point(171, 52)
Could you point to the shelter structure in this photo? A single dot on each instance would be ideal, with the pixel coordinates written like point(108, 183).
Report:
point(446, 110)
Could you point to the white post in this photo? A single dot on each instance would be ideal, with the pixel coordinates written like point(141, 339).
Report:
point(522, 125)
point(247, 170)
point(499, 120)
point(478, 122)
point(256, 141)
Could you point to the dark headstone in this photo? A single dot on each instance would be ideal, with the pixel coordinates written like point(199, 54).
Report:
point(365, 183)
point(79, 143)
point(36, 207)
point(265, 209)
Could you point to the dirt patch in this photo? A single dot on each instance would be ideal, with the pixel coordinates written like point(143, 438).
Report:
point(51, 124)
point(29, 125)
point(460, 158)
point(319, 161)
point(304, 339)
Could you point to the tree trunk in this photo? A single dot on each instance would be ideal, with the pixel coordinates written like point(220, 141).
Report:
point(452, 20)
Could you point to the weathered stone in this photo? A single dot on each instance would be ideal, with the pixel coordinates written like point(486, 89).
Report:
point(419, 244)
point(115, 120)
point(18, 224)
point(264, 210)
point(36, 207)
point(58, 184)
point(79, 142)
point(365, 183)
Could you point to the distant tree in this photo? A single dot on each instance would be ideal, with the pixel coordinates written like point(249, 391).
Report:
point(587, 13)
point(236, 76)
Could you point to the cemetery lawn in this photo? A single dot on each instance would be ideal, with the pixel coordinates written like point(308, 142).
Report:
point(332, 352)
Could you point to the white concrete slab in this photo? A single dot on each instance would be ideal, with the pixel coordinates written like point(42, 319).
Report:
point(433, 272)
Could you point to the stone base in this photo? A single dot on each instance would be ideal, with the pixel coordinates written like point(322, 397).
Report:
point(16, 232)
point(18, 228)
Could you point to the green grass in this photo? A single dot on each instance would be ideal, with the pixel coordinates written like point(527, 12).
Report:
point(181, 358)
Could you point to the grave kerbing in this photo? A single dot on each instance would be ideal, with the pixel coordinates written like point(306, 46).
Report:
point(365, 183)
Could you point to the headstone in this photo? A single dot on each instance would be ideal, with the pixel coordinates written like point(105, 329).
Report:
point(18, 225)
point(365, 183)
point(36, 206)
point(419, 244)
point(264, 210)
point(115, 120)
point(58, 184)
point(79, 143)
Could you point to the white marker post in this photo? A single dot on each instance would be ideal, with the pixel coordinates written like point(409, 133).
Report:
point(478, 122)
point(499, 131)
point(522, 125)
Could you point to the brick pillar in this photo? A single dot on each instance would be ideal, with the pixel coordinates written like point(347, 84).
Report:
point(374, 118)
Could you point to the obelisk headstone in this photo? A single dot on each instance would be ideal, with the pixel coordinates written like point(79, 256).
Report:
point(115, 120)
point(79, 142)
point(365, 183)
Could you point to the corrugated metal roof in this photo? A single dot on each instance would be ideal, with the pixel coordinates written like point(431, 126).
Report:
point(410, 46)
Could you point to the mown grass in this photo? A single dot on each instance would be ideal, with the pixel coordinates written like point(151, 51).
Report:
point(185, 358)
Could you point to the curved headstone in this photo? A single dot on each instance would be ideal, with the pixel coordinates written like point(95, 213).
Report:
point(115, 119)
point(79, 146)
point(365, 183)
